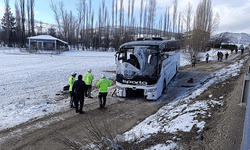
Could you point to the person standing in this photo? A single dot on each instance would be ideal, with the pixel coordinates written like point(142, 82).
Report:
point(221, 56)
point(207, 56)
point(242, 49)
point(232, 50)
point(226, 55)
point(79, 89)
point(71, 83)
point(236, 50)
point(218, 55)
point(103, 83)
point(193, 60)
point(88, 78)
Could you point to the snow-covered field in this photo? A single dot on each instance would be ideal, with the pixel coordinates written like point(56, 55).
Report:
point(29, 83)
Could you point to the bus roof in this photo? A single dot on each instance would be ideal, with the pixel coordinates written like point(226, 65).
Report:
point(146, 42)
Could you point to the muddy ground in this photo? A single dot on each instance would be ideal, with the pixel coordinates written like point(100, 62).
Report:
point(69, 130)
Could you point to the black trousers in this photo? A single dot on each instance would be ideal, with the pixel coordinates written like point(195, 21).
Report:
point(88, 93)
point(102, 102)
point(193, 65)
point(72, 98)
point(79, 97)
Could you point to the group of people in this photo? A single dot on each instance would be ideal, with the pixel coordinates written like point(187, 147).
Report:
point(220, 56)
point(83, 87)
point(236, 49)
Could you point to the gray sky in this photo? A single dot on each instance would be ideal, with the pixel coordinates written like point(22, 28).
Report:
point(234, 14)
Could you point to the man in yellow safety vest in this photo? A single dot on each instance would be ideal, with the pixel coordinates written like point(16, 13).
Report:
point(103, 83)
point(88, 77)
point(71, 83)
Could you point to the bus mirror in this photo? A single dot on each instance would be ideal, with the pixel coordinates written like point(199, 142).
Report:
point(116, 54)
point(116, 57)
point(149, 58)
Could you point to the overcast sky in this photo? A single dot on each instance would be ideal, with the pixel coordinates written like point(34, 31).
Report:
point(234, 14)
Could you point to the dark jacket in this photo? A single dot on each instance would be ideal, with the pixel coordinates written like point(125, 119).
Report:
point(79, 87)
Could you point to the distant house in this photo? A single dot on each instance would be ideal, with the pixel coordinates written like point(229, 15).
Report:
point(47, 42)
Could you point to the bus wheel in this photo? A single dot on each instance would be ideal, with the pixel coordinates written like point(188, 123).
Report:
point(176, 71)
point(164, 85)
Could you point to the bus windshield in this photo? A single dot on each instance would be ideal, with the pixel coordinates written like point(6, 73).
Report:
point(134, 62)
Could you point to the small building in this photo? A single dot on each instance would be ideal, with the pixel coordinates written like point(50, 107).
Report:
point(47, 42)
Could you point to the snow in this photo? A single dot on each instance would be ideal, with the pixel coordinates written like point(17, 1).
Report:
point(29, 83)
point(45, 37)
point(181, 114)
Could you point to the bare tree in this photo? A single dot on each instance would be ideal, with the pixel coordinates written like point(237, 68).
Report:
point(18, 24)
point(121, 18)
point(179, 36)
point(80, 12)
point(128, 24)
point(160, 27)
point(83, 31)
point(72, 25)
point(113, 11)
point(141, 13)
point(168, 24)
point(22, 8)
point(64, 17)
point(132, 16)
point(187, 17)
point(145, 21)
point(32, 20)
point(99, 26)
point(28, 14)
point(151, 15)
point(166, 21)
point(116, 11)
point(89, 22)
point(92, 28)
point(55, 9)
point(174, 17)
point(203, 25)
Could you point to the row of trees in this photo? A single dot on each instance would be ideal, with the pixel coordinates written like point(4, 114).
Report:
point(110, 29)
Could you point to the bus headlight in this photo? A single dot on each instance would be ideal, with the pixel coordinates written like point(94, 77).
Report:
point(120, 91)
point(151, 90)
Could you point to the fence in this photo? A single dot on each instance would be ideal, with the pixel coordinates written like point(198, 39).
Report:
point(245, 145)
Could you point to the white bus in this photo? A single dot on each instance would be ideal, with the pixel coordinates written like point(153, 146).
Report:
point(146, 66)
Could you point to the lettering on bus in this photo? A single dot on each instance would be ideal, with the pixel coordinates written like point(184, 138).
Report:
point(134, 82)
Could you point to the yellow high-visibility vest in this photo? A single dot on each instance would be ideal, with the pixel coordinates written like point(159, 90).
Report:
point(71, 82)
point(88, 78)
point(103, 83)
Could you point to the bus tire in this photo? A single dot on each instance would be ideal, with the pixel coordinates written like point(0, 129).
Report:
point(164, 85)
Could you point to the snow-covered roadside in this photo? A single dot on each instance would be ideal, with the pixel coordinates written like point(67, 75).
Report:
point(29, 83)
point(180, 115)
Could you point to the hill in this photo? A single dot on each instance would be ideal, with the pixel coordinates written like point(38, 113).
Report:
point(244, 38)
